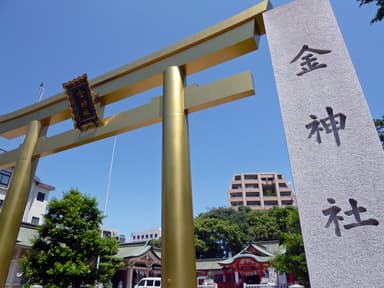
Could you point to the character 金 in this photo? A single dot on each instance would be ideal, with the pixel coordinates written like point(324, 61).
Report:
point(309, 61)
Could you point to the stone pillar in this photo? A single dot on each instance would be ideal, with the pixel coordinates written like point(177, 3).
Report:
point(336, 157)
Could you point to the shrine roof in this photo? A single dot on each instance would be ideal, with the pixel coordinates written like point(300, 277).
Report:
point(130, 250)
point(259, 259)
point(208, 264)
point(264, 250)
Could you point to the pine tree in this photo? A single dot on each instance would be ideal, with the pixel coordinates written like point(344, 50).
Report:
point(380, 10)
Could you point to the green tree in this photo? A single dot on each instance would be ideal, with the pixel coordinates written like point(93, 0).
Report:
point(217, 237)
point(293, 260)
point(156, 243)
point(69, 249)
point(286, 218)
point(237, 216)
point(379, 123)
point(262, 226)
point(380, 10)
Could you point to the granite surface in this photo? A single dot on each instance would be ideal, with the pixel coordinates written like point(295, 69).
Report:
point(336, 158)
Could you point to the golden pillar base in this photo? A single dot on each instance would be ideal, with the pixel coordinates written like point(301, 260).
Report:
point(16, 199)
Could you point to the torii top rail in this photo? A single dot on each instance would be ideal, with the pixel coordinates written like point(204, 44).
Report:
point(168, 67)
point(224, 41)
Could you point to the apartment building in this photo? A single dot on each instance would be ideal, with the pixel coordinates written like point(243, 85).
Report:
point(260, 191)
point(33, 215)
point(37, 199)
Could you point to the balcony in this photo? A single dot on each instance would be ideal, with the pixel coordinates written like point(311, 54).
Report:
point(285, 189)
point(235, 191)
point(253, 199)
point(268, 183)
point(270, 203)
point(287, 198)
point(251, 181)
point(253, 203)
point(270, 198)
point(251, 186)
point(286, 194)
point(287, 202)
point(252, 194)
point(237, 203)
point(252, 190)
point(236, 195)
point(250, 177)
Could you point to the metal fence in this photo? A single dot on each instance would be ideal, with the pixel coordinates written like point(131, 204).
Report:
point(264, 286)
point(207, 286)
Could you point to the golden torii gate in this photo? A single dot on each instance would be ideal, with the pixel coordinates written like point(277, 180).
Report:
point(168, 67)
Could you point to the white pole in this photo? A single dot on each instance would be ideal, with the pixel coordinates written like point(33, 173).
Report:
point(109, 177)
point(41, 91)
point(107, 192)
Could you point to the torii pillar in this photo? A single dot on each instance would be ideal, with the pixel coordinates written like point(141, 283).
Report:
point(177, 215)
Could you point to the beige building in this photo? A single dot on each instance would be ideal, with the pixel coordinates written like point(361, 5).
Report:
point(26, 233)
point(260, 191)
point(151, 234)
point(37, 199)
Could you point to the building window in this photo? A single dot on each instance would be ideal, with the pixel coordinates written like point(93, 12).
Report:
point(237, 203)
point(250, 177)
point(279, 176)
point(270, 203)
point(253, 203)
point(35, 220)
point(236, 186)
point(238, 194)
point(250, 186)
point(40, 196)
point(284, 194)
point(5, 177)
point(237, 177)
point(252, 194)
point(287, 202)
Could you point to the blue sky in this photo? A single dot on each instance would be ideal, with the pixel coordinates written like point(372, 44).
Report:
point(56, 41)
